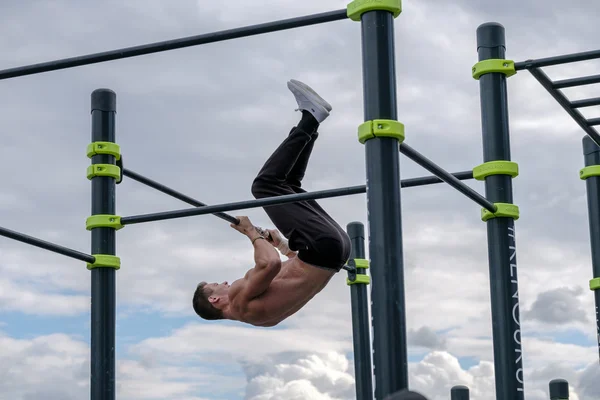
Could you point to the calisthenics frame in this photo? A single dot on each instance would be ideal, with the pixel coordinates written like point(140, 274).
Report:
point(382, 136)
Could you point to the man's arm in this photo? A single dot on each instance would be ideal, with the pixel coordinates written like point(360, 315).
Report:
point(258, 279)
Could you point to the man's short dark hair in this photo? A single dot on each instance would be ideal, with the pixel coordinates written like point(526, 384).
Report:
point(202, 306)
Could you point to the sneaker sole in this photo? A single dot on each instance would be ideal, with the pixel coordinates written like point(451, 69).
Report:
point(310, 93)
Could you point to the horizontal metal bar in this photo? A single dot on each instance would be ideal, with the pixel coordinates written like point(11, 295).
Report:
point(586, 102)
point(167, 45)
point(20, 237)
point(585, 80)
point(593, 121)
point(563, 59)
point(271, 201)
point(446, 177)
point(171, 192)
point(546, 83)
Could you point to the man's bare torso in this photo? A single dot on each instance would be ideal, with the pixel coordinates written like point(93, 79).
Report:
point(295, 284)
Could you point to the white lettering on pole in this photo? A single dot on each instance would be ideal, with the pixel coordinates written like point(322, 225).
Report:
point(515, 309)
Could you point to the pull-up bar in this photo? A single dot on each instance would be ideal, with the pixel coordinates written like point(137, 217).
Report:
point(556, 60)
point(174, 44)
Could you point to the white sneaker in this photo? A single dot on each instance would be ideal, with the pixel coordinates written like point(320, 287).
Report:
point(309, 100)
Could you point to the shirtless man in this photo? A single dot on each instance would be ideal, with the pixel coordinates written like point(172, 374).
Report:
point(317, 249)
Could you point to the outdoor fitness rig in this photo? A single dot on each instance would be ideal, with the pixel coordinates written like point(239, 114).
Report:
point(382, 136)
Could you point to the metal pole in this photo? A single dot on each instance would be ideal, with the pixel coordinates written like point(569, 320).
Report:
point(173, 193)
point(591, 174)
point(167, 45)
point(504, 288)
point(390, 357)
point(363, 370)
point(270, 201)
point(559, 389)
point(20, 237)
point(459, 393)
point(103, 242)
point(577, 116)
point(564, 59)
point(572, 82)
point(446, 177)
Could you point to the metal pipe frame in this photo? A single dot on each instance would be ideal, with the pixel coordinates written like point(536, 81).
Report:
point(103, 296)
point(447, 177)
point(276, 200)
point(42, 244)
point(573, 82)
point(546, 83)
point(167, 45)
point(363, 369)
point(591, 153)
point(556, 60)
point(502, 253)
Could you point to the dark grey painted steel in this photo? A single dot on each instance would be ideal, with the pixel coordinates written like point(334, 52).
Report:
point(167, 45)
point(103, 314)
point(361, 327)
point(390, 357)
point(591, 152)
point(504, 287)
point(563, 59)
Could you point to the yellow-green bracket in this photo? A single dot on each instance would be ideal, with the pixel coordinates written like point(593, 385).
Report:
point(109, 170)
point(493, 65)
point(588, 172)
point(103, 221)
point(504, 210)
point(109, 148)
point(380, 128)
point(357, 8)
point(595, 284)
point(355, 278)
point(105, 261)
point(496, 168)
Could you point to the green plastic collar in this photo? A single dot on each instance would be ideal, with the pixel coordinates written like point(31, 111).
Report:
point(588, 172)
point(109, 148)
point(380, 128)
point(595, 284)
point(105, 261)
point(506, 67)
point(103, 221)
point(358, 7)
point(361, 263)
point(360, 279)
point(104, 170)
point(504, 210)
point(496, 168)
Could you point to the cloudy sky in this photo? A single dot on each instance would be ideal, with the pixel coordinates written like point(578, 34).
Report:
point(204, 119)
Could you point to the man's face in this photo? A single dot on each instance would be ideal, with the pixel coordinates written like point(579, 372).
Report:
point(219, 291)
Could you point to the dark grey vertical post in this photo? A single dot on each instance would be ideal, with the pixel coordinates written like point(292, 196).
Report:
point(102, 382)
point(559, 389)
point(363, 369)
point(390, 357)
point(504, 286)
point(591, 152)
point(459, 393)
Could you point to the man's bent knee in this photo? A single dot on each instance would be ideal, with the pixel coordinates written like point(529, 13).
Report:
point(259, 188)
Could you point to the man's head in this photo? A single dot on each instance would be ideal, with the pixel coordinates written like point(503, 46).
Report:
point(211, 300)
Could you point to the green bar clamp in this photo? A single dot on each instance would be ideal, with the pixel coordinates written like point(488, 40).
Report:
point(595, 284)
point(105, 261)
point(380, 128)
point(360, 279)
point(588, 172)
point(103, 221)
point(358, 7)
point(109, 148)
point(506, 67)
point(109, 170)
point(359, 263)
point(504, 210)
point(496, 168)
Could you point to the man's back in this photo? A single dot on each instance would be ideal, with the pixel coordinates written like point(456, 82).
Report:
point(295, 284)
